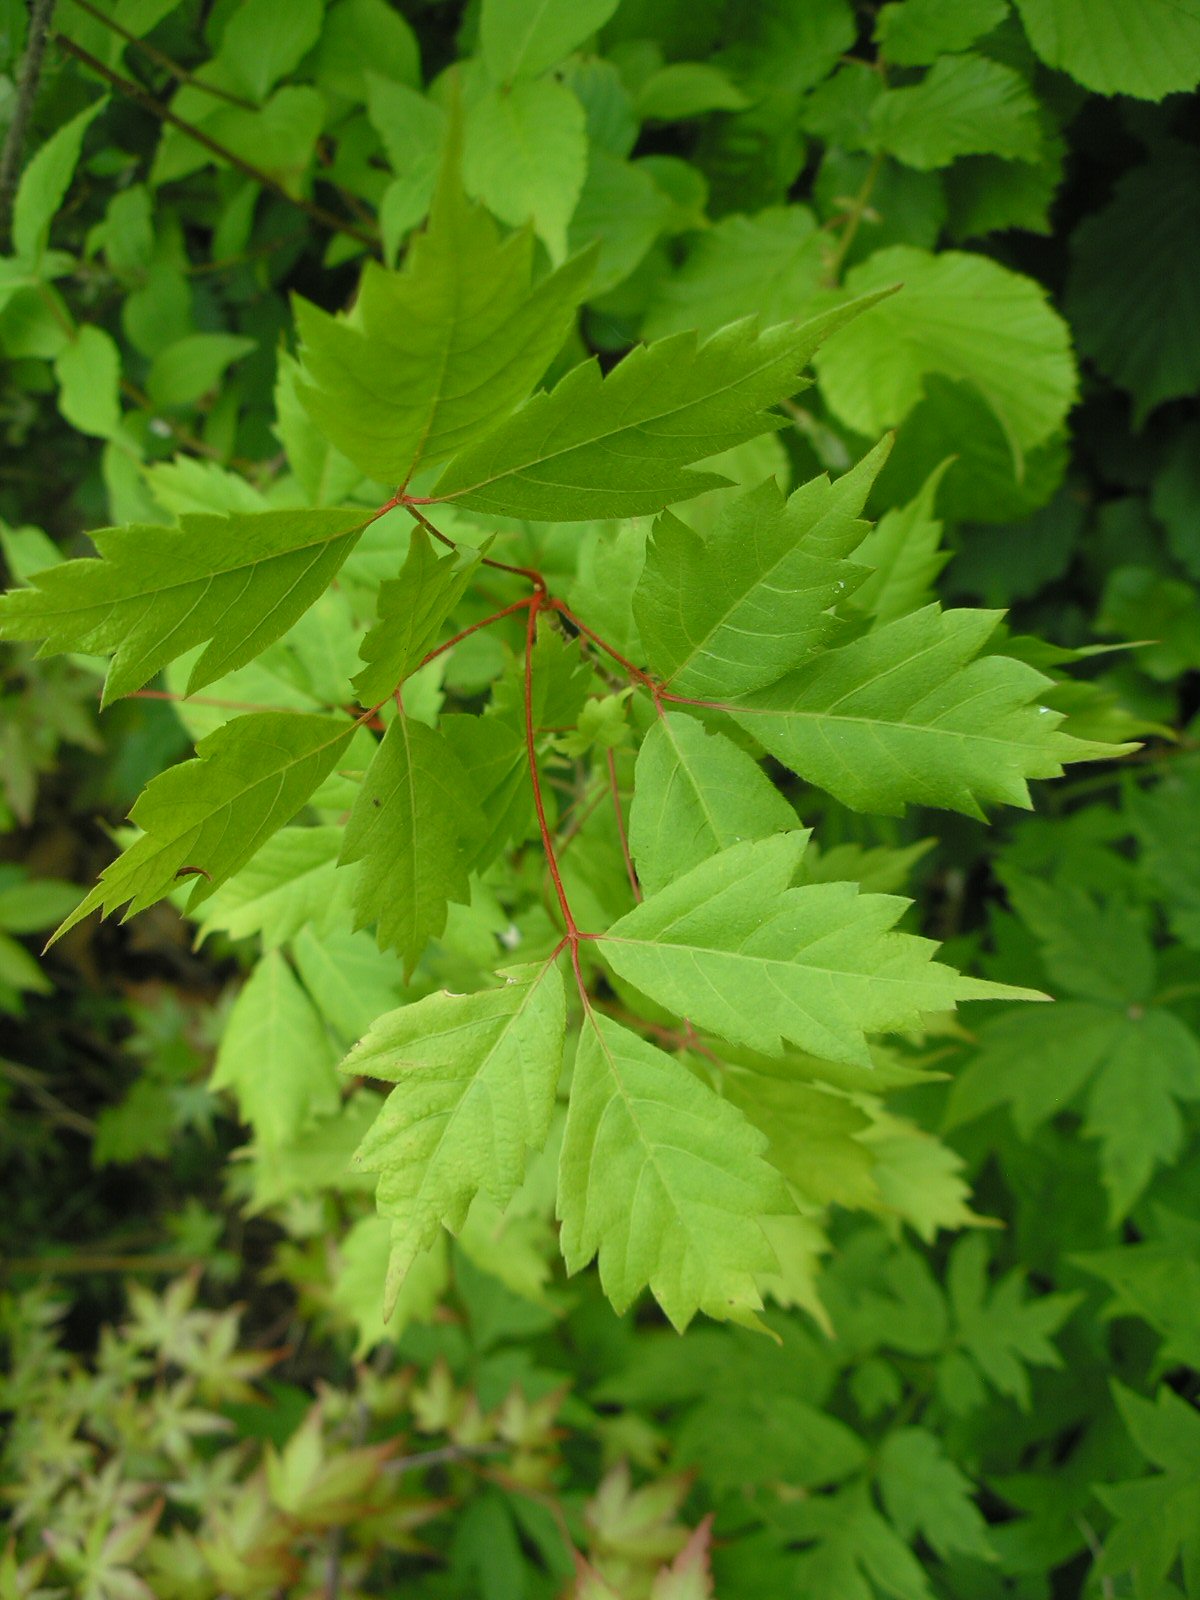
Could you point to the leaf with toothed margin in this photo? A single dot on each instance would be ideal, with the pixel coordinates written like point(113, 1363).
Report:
point(206, 817)
point(663, 1180)
point(234, 584)
point(620, 444)
point(742, 954)
point(476, 1077)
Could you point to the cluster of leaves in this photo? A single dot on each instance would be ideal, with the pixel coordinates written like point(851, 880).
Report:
point(582, 715)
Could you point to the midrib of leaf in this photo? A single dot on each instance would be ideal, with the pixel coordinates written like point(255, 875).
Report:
point(685, 770)
point(596, 439)
point(759, 963)
point(650, 1146)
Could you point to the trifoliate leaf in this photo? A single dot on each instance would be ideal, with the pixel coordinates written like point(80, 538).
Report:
point(661, 1179)
point(1149, 50)
point(774, 261)
point(525, 157)
point(233, 583)
point(618, 445)
point(721, 616)
point(292, 882)
point(414, 827)
point(435, 354)
point(735, 949)
point(476, 1077)
point(411, 611)
point(964, 317)
point(912, 714)
point(916, 33)
point(694, 793)
point(205, 818)
point(1134, 305)
point(966, 106)
point(276, 1055)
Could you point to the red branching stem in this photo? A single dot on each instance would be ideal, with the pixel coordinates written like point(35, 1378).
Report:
point(615, 790)
point(486, 622)
point(531, 574)
point(636, 673)
point(572, 935)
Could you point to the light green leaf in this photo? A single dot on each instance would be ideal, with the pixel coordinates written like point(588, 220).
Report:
point(617, 445)
point(695, 793)
point(187, 369)
point(623, 211)
point(662, 1180)
point(212, 813)
point(520, 38)
point(1134, 304)
point(961, 316)
point(774, 262)
point(1149, 49)
point(413, 130)
point(726, 614)
point(904, 551)
point(415, 827)
point(411, 611)
point(362, 39)
point(739, 952)
point(44, 184)
point(916, 33)
point(913, 714)
point(525, 156)
point(276, 1056)
point(350, 980)
point(437, 353)
point(88, 370)
point(263, 41)
point(476, 1077)
point(813, 1136)
point(292, 882)
point(233, 583)
point(684, 89)
point(966, 106)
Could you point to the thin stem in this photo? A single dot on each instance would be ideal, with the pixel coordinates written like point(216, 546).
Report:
point(623, 662)
point(163, 60)
point(854, 218)
point(496, 616)
point(142, 97)
point(531, 573)
point(615, 791)
point(18, 128)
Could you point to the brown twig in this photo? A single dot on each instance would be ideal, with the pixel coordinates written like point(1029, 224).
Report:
point(18, 128)
point(143, 98)
point(163, 60)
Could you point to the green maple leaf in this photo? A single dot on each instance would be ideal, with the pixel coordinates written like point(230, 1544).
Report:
point(433, 355)
point(733, 947)
point(662, 1180)
point(276, 1055)
point(694, 794)
point(234, 584)
point(1002, 1331)
point(211, 814)
point(411, 611)
point(1158, 1516)
point(911, 713)
point(415, 827)
point(619, 445)
point(477, 1076)
point(923, 1491)
point(722, 615)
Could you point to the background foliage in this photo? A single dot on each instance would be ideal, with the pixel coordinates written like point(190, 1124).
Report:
point(982, 1374)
